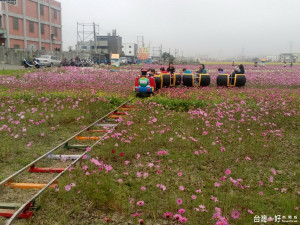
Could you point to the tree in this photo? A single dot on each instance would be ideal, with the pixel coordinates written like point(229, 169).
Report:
point(168, 57)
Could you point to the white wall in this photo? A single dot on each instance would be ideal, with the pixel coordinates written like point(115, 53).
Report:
point(129, 49)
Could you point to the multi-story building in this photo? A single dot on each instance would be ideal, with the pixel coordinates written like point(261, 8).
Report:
point(31, 24)
point(130, 49)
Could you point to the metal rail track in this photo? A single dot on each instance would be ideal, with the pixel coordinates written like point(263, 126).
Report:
point(22, 207)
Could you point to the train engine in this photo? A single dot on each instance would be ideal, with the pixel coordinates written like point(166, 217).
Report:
point(144, 85)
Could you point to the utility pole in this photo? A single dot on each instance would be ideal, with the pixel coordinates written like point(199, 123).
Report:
point(291, 46)
point(95, 38)
point(140, 41)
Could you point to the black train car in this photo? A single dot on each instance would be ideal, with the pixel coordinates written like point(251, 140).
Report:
point(225, 80)
point(191, 80)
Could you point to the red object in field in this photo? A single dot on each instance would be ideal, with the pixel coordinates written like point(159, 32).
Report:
point(152, 82)
point(136, 83)
point(119, 113)
point(26, 214)
point(34, 169)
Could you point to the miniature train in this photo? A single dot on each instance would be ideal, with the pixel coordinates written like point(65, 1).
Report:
point(147, 85)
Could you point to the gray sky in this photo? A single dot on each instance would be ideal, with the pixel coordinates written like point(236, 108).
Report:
point(196, 27)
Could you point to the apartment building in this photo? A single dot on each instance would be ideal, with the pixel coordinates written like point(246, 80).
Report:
point(31, 24)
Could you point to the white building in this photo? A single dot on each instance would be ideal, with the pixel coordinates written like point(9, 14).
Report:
point(130, 49)
point(273, 58)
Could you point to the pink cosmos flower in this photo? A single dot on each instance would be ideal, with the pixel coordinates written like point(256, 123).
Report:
point(261, 193)
point(139, 174)
point(177, 216)
point(67, 187)
point(141, 221)
point(171, 140)
point(250, 211)
point(143, 188)
point(183, 220)
point(181, 211)
point(271, 179)
point(168, 215)
point(235, 214)
point(273, 171)
point(181, 188)
point(150, 164)
point(193, 197)
point(222, 149)
point(85, 167)
point(217, 184)
point(162, 152)
point(179, 201)
point(29, 144)
point(179, 174)
point(260, 183)
point(247, 158)
point(140, 203)
point(88, 149)
point(227, 171)
point(214, 198)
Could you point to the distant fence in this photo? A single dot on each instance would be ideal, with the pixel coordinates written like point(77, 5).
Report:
point(16, 56)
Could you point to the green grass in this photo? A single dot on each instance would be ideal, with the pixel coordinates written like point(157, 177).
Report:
point(102, 195)
point(267, 133)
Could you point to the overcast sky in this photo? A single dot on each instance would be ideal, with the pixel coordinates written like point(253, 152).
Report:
point(197, 27)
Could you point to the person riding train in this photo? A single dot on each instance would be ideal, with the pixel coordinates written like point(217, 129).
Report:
point(237, 70)
point(144, 81)
point(171, 68)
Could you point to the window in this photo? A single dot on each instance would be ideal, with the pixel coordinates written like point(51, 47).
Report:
point(42, 28)
point(16, 46)
point(0, 21)
point(41, 9)
point(129, 46)
point(15, 23)
point(129, 52)
point(55, 13)
point(12, 2)
point(43, 48)
point(84, 47)
point(55, 31)
point(31, 26)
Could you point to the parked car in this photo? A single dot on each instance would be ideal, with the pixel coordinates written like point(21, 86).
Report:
point(123, 61)
point(49, 60)
point(129, 60)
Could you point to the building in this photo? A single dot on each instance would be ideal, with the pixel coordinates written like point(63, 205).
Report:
point(31, 24)
point(272, 58)
point(130, 49)
point(84, 46)
point(290, 57)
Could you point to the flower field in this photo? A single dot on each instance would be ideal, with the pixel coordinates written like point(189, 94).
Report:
point(185, 156)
